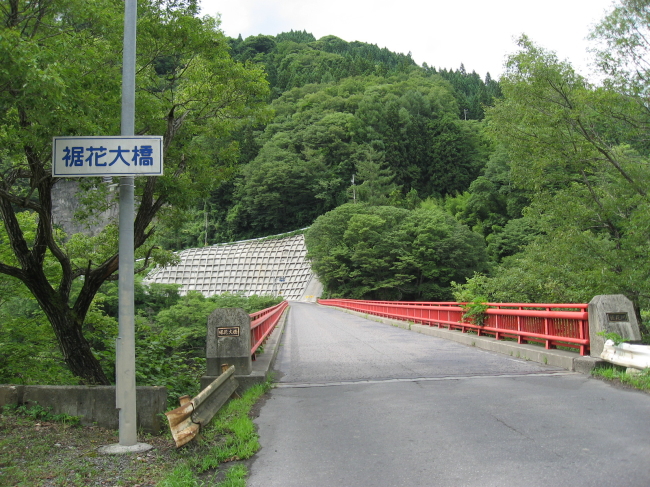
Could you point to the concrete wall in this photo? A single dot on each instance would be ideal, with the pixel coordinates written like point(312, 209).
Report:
point(94, 404)
point(65, 203)
point(260, 266)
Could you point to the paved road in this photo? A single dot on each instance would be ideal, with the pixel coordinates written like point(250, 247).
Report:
point(361, 403)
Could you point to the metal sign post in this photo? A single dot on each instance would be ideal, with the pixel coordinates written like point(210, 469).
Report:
point(125, 156)
point(125, 348)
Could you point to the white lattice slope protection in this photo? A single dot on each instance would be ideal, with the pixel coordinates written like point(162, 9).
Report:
point(264, 266)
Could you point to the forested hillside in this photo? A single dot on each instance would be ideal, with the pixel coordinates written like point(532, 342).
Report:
point(547, 168)
point(343, 110)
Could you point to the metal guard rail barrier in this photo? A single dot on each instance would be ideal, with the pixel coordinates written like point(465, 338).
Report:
point(549, 324)
point(186, 421)
point(263, 322)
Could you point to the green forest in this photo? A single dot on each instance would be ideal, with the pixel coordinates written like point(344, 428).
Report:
point(409, 182)
point(339, 110)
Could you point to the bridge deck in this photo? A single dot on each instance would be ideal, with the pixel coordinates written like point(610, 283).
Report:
point(326, 345)
point(365, 404)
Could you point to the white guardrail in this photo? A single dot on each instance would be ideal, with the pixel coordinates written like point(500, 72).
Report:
point(186, 421)
point(627, 355)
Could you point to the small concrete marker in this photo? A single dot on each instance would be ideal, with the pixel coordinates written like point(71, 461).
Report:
point(118, 449)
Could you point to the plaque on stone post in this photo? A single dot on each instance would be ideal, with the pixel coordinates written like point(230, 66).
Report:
point(611, 313)
point(229, 341)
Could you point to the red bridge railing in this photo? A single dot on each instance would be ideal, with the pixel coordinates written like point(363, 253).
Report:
point(263, 322)
point(553, 325)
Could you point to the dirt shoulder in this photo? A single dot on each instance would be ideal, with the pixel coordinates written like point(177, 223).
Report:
point(42, 453)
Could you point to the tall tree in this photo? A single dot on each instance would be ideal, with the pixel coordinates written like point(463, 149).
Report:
point(623, 55)
point(60, 75)
point(376, 179)
point(562, 125)
point(578, 150)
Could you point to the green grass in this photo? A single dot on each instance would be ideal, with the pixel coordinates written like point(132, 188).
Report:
point(184, 476)
point(230, 436)
point(235, 477)
point(618, 374)
point(39, 413)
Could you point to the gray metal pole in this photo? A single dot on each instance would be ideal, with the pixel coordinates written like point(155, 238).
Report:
point(125, 352)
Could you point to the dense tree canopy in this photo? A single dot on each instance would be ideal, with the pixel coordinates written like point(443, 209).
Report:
point(323, 135)
point(473, 93)
point(580, 153)
point(343, 110)
point(383, 252)
point(294, 59)
point(60, 75)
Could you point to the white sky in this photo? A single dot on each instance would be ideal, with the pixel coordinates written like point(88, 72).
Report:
point(442, 33)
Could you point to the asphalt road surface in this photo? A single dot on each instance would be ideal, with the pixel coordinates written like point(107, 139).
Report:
point(361, 403)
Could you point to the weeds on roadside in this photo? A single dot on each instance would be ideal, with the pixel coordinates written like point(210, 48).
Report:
point(616, 373)
point(230, 436)
point(235, 477)
point(38, 412)
point(615, 337)
point(183, 476)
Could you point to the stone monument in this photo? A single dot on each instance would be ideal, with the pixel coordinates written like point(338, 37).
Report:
point(611, 313)
point(228, 342)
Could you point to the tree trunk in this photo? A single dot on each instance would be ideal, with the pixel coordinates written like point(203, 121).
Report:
point(76, 350)
point(67, 326)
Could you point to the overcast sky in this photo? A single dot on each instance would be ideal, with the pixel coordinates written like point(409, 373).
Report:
point(442, 33)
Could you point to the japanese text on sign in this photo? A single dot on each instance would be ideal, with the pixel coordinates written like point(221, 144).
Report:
point(107, 156)
point(231, 331)
point(617, 317)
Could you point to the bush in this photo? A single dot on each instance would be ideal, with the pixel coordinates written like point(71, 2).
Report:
point(383, 252)
point(170, 332)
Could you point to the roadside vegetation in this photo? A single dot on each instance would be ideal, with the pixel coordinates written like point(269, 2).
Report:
point(618, 375)
point(39, 449)
point(170, 337)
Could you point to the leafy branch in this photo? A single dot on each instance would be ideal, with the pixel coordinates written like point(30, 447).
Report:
point(475, 311)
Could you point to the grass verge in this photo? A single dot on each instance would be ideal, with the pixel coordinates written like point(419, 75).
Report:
point(38, 449)
point(229, 437)
point(618, 375)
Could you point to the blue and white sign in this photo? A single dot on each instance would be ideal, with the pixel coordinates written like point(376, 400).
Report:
point(107, 156)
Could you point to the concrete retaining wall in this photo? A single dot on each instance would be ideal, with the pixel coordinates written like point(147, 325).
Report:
point(93, 404)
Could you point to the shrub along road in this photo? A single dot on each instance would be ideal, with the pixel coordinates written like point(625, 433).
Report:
point(361, 403)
